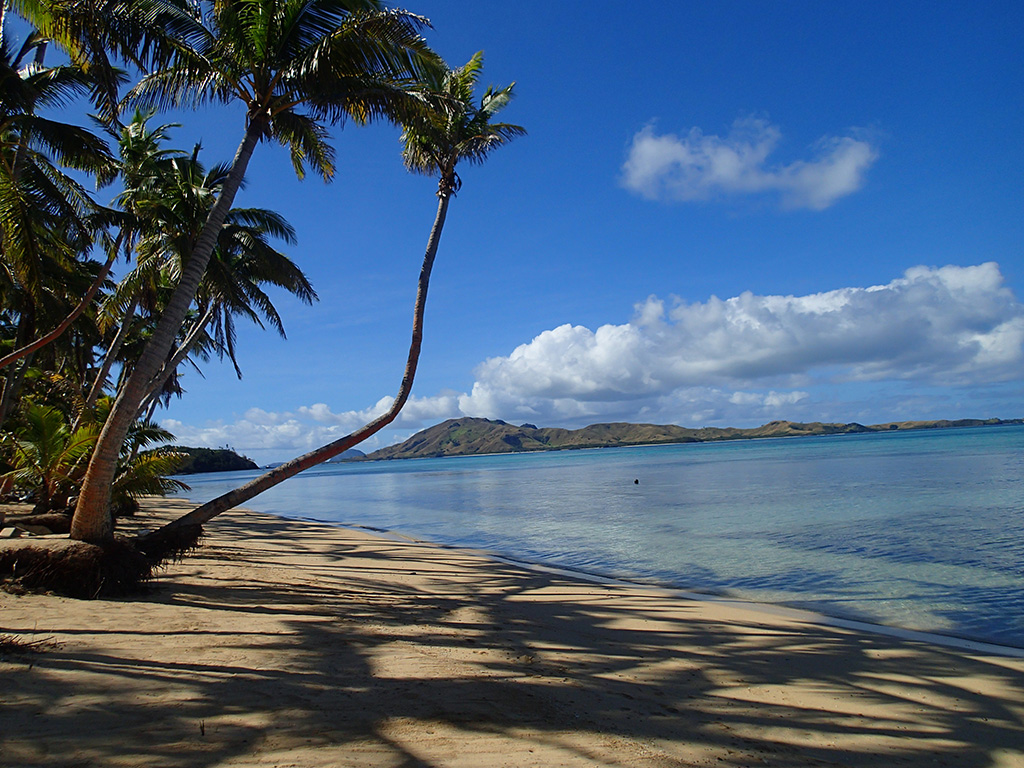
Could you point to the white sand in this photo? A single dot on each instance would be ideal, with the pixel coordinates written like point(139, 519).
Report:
point(287, 643)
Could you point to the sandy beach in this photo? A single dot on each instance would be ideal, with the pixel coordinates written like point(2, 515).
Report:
point(284, 643)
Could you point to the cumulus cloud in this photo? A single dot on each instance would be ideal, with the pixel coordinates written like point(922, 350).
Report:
point(266, 436)
point(742, 360)
point(696, 166)
point(946, 326)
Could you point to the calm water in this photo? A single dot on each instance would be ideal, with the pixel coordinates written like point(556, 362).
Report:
point(920, 530)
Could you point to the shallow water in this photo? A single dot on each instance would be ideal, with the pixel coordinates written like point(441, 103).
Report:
point(920, 530)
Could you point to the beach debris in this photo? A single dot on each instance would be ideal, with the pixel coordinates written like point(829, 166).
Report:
point(16, 644)
point(53, 522)
point(34, 530)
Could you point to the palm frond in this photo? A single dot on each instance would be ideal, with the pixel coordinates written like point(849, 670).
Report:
point(451, 128)
point(306, 141)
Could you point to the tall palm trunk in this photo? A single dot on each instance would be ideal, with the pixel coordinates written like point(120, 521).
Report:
point(240, 495)
point(93, 521)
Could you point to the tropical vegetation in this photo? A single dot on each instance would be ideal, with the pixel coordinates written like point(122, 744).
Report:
point(103, 303)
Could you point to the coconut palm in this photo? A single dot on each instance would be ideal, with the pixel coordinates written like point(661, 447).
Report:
point(47, 220)
point(242, 265)
point(450, 129)
point(144, 165)
point(294, 65)
point(171, 201)
point(97, 35)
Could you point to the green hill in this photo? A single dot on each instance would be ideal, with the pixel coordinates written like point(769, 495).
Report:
point(212, 460)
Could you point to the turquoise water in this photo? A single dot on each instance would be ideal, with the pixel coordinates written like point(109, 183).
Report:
point(919, 530)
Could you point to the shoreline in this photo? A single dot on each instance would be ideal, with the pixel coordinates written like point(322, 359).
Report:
point(293, 643)
point(808, 615)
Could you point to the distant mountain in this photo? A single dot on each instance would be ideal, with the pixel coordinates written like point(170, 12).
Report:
point(352, 454)
point(348, 455)
point(470, 436)
point(212, 460)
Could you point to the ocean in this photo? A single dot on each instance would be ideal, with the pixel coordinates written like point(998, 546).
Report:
point(920, 530)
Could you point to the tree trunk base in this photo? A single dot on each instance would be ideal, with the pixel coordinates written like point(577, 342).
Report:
point(73, 568)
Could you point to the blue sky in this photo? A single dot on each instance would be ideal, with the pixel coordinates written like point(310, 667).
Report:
point(724, 213)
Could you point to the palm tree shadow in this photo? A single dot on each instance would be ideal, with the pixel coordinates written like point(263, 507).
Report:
point(373, 651)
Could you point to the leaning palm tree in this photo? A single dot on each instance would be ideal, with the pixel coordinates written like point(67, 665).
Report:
point(174, 202)
point(295, 65)
point(435, 141)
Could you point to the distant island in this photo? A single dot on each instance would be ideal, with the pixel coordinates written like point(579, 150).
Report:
point(472, 436)
point(212, 460)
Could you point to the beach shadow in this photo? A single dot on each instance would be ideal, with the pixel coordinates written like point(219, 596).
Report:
point(360, 664)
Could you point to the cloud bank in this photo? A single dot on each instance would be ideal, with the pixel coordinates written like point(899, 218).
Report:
point(700, 167)
point(741, 360)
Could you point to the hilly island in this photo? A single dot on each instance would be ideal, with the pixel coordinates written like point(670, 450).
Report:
point(474, 436)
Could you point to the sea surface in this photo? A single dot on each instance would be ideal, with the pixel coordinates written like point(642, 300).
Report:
point(919, 530)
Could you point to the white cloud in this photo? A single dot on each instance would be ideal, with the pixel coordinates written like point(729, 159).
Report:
point(771, 399)
point(948, 326)
point(741, 361)
point(698, 166)
point(266, 436)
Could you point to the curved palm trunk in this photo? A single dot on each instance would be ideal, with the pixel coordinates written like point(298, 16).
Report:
point(211, 509)
point(92, 521)
point(42, 341)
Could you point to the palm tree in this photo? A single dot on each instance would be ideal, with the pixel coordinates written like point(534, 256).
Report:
point(173, 200)
point(242, 265)
point(293, 64)
point(435, 140)
point(96, 33)
point(47, 220)
point(144, 167)
point(92, 33)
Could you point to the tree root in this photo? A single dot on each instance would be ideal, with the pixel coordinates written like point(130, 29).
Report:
point(73, 568)
point(173, 545)
point(87, 571)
